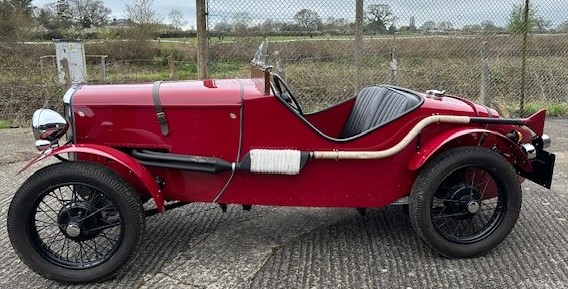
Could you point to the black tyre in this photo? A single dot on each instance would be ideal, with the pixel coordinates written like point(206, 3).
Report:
point(465, 202)
point(75, 222)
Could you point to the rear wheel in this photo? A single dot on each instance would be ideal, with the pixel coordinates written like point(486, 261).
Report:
point(465, 202)
point(75, 222)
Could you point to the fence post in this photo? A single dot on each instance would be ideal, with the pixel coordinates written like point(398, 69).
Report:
point(393, 67)
point(201, 38)
point(173, 70)
point(103, 68)
point(526, 29)
point(484, 95)
point(358, 44)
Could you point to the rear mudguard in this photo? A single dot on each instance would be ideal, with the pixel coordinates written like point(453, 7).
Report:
point(472, 137)
point(107, 152)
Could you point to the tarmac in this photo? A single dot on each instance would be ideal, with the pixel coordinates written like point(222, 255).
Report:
point(199, 246)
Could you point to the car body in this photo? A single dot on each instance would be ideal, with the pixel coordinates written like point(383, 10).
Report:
point(247, 142)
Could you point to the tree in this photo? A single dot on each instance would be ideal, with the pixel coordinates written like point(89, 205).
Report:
point(63, 15)
point(412, 24)
point(472, 28)
point(141, 12)
point(145, 19)
point(446, 26)
point(336, 25)
point(24, 7)
point(379, 17)
point(428, 26)
point(241, 22)
point(7, 25)
point(563, 27)
point(222, 27)
point(517, 23)
point(87, 13)
point(308, 20)
point(392, 29)
point(267, 26)
point(15, 19)
point(489, 27)
point(177, 19)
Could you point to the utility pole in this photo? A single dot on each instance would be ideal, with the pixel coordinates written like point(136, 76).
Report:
point(201, 6)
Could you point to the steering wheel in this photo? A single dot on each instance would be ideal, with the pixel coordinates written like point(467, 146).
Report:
point(282, 90)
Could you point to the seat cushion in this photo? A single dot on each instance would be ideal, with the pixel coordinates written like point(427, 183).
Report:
point(377, 105)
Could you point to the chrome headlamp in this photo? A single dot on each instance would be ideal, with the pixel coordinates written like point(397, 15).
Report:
point(48, 127)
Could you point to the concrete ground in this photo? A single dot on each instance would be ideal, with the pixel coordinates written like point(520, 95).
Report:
point(198, 246)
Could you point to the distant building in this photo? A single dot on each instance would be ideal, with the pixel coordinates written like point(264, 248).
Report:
point(120, 23)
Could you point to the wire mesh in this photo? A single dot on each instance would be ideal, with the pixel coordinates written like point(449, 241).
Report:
point(469, 48)
point(29, 79)
point(473, 49)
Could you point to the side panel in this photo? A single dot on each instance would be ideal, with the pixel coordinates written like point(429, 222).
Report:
point(203, 119)
point(321, 183)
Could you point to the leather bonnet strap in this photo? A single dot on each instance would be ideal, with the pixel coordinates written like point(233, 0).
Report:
point(159, 110)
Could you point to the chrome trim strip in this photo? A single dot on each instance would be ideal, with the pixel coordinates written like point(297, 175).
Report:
point(70, 92)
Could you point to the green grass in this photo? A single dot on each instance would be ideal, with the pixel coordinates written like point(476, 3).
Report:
point(552, 109)
point(321, 73)
point(4, 124)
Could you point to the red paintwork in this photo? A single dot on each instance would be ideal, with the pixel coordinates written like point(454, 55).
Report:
point(136, 173)
point(204, 118)
point(536, 122)
point(460, 137)
point(330, 121)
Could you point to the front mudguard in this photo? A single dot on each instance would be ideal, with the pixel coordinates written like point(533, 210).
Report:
point(471, 137)
point(135, 168)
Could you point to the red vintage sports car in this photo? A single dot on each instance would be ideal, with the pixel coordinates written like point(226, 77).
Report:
point(455, 164)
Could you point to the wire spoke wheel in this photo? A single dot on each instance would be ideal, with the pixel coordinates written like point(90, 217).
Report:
point(465, 201)
point(468, 206)
point(76, 225)
point(75, 222)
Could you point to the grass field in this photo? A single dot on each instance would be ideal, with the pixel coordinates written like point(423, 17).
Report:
point(321, 71)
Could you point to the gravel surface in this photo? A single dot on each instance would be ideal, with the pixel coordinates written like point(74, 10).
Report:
point(198, 246)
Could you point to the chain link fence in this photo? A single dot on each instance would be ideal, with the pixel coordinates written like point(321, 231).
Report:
point(490, 51)
point(28, 73)
point(487, 50)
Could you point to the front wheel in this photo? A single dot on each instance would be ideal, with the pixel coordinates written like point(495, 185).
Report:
point(465, 202)
point(75, 222)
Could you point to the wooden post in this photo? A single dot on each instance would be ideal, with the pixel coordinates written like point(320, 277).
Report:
point(201, 38)
point(358, 45)
point(526, 29)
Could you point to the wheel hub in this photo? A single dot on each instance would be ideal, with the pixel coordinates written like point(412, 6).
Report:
point(73, 230)
point(463, 200)
point(76, 221)
point(473, 207)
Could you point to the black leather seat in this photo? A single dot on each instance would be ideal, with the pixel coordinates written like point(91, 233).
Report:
point(377, 105)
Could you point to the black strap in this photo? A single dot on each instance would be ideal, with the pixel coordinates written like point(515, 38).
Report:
point(159, 110)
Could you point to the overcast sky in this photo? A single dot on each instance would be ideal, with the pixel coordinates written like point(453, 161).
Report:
point(459, 12)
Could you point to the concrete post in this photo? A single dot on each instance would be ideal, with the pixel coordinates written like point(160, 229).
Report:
point(484, 95)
